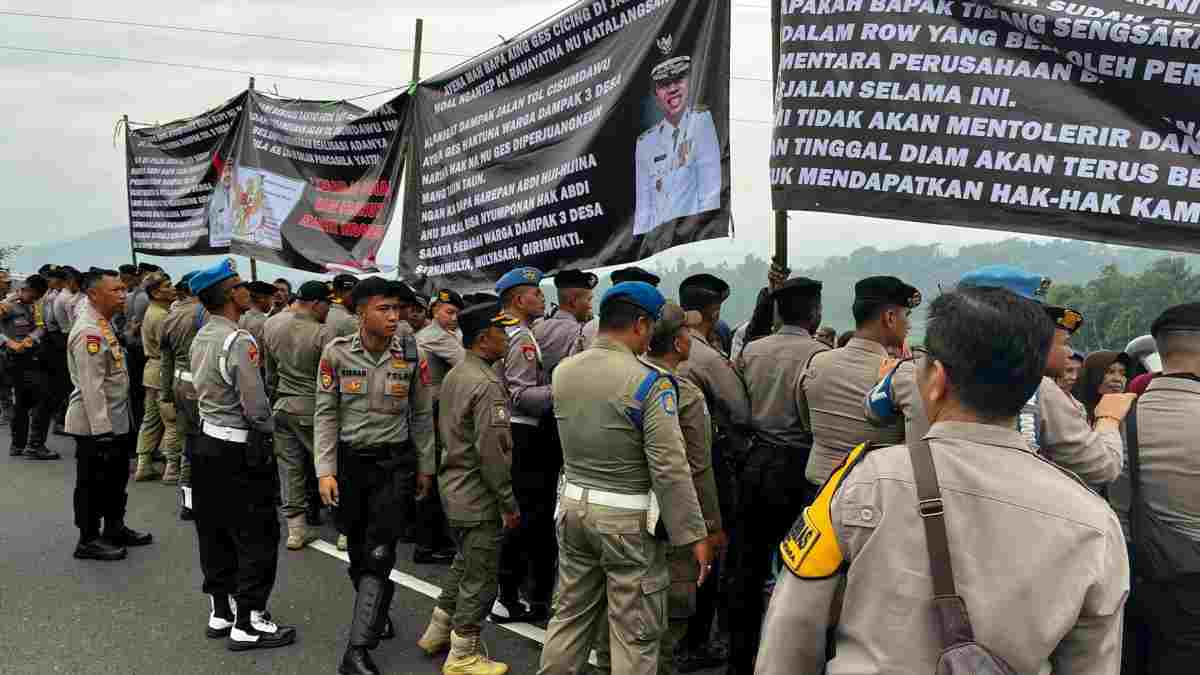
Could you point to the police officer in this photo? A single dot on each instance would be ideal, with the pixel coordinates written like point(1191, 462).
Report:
point(53, 346)
point(22, 330)
point(294, 342)
point(341, 314)
point(561, 334)
point(419, 319)
point(624, 274)
point(261, 296)
point(477, 493)
point(834, 383)
point(537, 458)
point(678, 160)
point(441, 348)
point(374, 441)
point(98, 416)
point(857, 559)
point(136, 304)
point(158, 423)
point(770, 478)
point(178, 392)
point(622, 443)
point(282, 297)
point(233, 469)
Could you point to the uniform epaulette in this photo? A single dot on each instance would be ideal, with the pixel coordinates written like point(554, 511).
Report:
point(341, 340)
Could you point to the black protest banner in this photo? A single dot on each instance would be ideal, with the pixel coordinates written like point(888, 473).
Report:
point(1041, 116)
point(313, 183)
point(171, 170)
point(600, 136)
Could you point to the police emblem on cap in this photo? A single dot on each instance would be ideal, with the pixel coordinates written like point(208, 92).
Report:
point(1043, 287)
point(232, 264)
point(914, 301)
point(665, 43)
point(1071, 320)
point(443, 296)
point(530, 275)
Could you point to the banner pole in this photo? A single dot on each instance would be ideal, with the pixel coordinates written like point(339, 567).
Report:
point(128, 203)
point(253, 262)
point(781, 233)
point(409, 179)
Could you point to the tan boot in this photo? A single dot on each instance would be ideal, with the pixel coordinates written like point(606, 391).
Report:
point(145, 469)
point(298, 534)
point(171, 473)
point(437, 635)
point(468, 657)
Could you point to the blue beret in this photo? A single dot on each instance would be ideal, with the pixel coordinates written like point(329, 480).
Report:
point(638, 293)
point(211, 276)
point(521, 276)
point(1020, 282)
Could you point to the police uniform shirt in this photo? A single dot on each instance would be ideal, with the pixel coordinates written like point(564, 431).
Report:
point(344, 322)
point(152, 342)
point(716, 377)
point(558, 337)
point(175, 343)
point(253, 321)
point(1069, 441)
point(678, 170)
point(524, 376)
point(613, 441)
point(294, 343)
point(589, 332)
point(369, 400)
point(99, 404)
point(1038, 558)
point(770, 368)
point(696, 425)
point(228, 380)
point(135, 312)
point(440, 351)
point(65, 309)
point(22, 321)
point(833, 387)
point(475, 477)
point(49, 317)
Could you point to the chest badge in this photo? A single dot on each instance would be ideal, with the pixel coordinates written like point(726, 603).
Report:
point(354, 386)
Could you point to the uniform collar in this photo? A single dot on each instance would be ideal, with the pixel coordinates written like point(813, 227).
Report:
point(699, 336)
point(472, 357)
point(611, 345)
point(304, 316)
point(984, 434)
point(658, 362)
point(789, 330)
point(867, 345)
point(217, 318)
point(1178, 382)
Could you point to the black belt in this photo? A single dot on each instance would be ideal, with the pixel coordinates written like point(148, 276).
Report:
point(378, 453)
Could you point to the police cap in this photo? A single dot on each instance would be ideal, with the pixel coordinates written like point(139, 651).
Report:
point(1020, 282)
point(477, 318)
point(471, 299)
point(702, 290)
point(797, 288)
point(449, 297)
point(184, 283)
point(888, 291)
point(374, 286)
point(313, 291)
point(634, 274)
point(147, 268)
point(261, 288)
point(521, 276)
point(637, 293)
point(128, 269)
point(1065, 318)
point(344, 282)
point(211, 276)
point(671, 69)
point(35, 282)
point(575, 279)
point(1180, 318)
point(154, 281)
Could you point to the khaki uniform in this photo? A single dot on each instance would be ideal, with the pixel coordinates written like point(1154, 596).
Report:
point(1069, 441)
point(724, 390)
point(833, 387)
point(253, 321)
point(905, 399)
point(178, 391)
point(343, 321)
point(770, 368)
point(476, 486)
point(559, 336)
point(618, 419)
point(98, 415)
point(294, 342)
point(158, 423)
point(440, 351)
point(867, 568)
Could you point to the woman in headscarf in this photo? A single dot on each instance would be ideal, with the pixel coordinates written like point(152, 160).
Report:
point(1103, 373)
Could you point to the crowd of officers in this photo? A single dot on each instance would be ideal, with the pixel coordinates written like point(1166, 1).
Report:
point(636, 476)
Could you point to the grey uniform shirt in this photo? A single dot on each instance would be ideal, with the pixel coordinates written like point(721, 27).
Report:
point(906, 401)
point(175, 345)
point(294, 342)
point(343, 321)
point(231, 390)
point(440, 351)
point(99, 404)
point(723, 389)
point(1038, 558)
point(559, 336)
point(135, 311)
point(833, 387)
point(49, 317)
point(770, 367)
point(65, 309)
point(20, 322)
point(524, 376)
point(253, 321)
point(1069, 441)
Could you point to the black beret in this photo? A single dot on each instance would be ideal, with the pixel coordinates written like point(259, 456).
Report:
point(450, 297)
point(314, 291)
point(889, 290)
point(575, 279)
point(127, 269)
point(479, 299)
point(1065, 318)
point(476, 318)
point(345, 282)
point(797, 287)
point(1185, 317)
point(374, 286)
point(261, 288)
point(702, 290)
point(146, 268)
point(45, 270)
point(53, 272)
point(634, 274)
point(35, 281)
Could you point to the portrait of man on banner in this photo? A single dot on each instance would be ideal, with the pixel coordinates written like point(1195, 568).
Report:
point(221, 205)
point(678, 160)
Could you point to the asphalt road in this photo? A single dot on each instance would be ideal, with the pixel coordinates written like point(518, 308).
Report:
point(146, 614)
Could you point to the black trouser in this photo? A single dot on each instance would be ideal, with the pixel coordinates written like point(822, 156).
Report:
point(30, 396)
point(1164, 618)
point(375, 490)
point(101, 472)
point(135, 358)
point(58, 376)
point(699, 630)
point(237, 525)
point(772, 491)
point(532, 548)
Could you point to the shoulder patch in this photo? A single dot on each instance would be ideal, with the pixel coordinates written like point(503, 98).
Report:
point(93, 344)
point(529, 352)
point(252, 352)
point(326, 376)
point(811, 549)
point(666, 400)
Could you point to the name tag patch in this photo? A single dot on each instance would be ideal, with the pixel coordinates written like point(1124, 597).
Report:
point(353, 385)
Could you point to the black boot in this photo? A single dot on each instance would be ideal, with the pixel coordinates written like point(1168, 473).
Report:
point(40, 451)
point(120, 535)
point(384, 628)
point(256, 630)
point(368, 608)
point(312, 514)
point(98, 549)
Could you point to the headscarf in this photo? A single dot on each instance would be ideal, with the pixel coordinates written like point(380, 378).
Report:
point(1087, 390)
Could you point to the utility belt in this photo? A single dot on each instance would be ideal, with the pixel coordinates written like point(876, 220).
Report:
point(258, 448)
point(185, 375)
point(394, 453)
point(646, 503)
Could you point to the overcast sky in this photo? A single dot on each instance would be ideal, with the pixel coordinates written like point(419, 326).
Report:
point(63, 176)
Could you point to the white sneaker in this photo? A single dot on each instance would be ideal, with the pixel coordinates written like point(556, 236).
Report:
point(218, 627)
point(263, 634)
